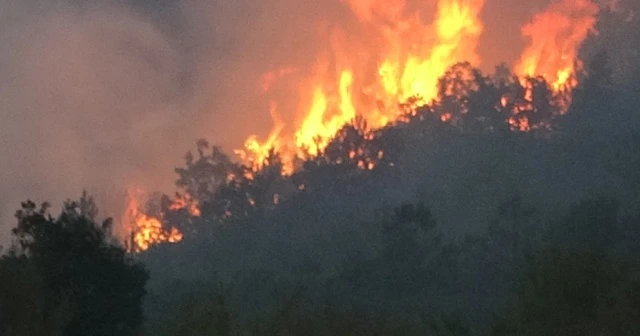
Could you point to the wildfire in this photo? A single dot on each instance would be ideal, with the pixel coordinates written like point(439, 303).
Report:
point(404, 61)
point(408, 56)
point(146, 230)
point(555, 36)
point(391, 66)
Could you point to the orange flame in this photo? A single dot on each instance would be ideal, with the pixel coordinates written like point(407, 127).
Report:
point(256, 152)
point(408, 57)
point(186, 202)
point(402, 59)
point(554, 38)
point(145, 230)
point(412, 58)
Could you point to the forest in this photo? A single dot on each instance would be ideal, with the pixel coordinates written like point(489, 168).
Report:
point(504, 207)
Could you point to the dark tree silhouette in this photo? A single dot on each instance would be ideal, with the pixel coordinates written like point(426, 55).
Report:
point(228, 190)
point(454, 90)
point(78, 269)
point(24, 310)
point(474, 103)
point(596, 91)
point(593, 101)
point(203, 175)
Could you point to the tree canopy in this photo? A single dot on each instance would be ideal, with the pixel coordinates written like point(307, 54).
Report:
point(73, 277)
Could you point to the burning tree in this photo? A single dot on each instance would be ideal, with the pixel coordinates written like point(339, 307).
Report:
point(144, 229)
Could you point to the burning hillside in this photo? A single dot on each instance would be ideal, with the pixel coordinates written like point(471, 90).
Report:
point(403, 60)
point(388, 66)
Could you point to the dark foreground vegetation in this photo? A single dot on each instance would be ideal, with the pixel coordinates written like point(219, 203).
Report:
point(464, 227)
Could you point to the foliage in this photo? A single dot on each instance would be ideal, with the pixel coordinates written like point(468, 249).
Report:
point(23, 307)
point(566, 292)
point(575, 285)
point(203, 175)
point(81, 281)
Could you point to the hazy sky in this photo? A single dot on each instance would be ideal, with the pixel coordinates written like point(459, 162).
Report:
point(102, 95)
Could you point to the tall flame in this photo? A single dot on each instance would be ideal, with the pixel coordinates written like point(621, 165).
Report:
point(404, 61)
point(407, 57)
point(555, 36)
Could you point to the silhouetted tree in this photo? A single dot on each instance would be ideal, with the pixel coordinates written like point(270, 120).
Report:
point(596, 91)
point(78, 269)
point(226, 190)
point(454, 89)
point(24, 310)
point(203, 175)
point(354, 145)
point(353, 155)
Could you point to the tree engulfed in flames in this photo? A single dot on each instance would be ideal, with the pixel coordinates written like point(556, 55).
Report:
point(403, 63)
point(145, 230)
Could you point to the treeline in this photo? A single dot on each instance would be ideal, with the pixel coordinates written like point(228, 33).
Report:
point(518, 186)
point(577, 285)
point(65, 276)
point(468, 103)
point(488, 212)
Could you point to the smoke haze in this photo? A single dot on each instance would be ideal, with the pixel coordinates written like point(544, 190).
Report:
point(90, 97)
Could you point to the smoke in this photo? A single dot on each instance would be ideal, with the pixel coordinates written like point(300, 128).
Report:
point(90, 96)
